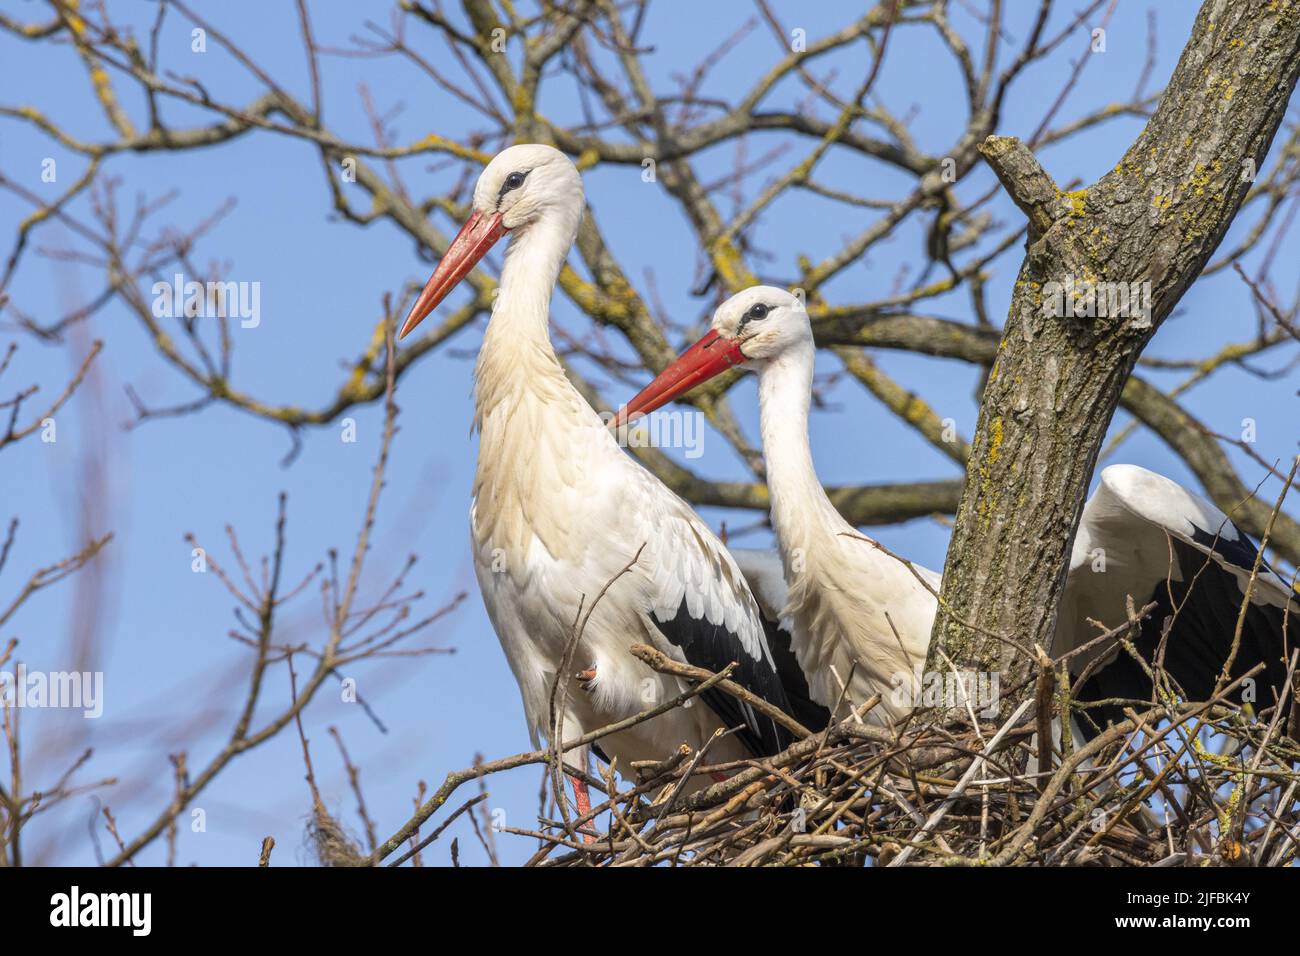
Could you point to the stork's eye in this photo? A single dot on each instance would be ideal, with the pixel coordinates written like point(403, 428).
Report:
point(757, 311)
point(513, 181)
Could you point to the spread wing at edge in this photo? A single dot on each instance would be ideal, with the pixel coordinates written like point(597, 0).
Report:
point(1144, 535)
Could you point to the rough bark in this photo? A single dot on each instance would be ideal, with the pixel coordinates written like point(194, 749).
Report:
point(1156, 217)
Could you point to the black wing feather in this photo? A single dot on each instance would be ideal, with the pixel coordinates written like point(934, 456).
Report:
point(803, 708)
point(713, 647)
point(1208, 602)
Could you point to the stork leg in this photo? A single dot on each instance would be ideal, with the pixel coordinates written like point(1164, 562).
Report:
point(582, 798)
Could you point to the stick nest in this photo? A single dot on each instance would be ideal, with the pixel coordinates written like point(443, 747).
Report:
point(1172, 785)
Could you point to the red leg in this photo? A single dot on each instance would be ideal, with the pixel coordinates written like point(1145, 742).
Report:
point(582, 798)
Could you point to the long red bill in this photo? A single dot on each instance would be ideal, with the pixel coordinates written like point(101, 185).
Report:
point(710, 356)
point(473, 241)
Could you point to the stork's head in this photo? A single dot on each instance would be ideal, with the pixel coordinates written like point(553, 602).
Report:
point(521, 186)
point(526, 182)
point(750, 330)
point(762, 323)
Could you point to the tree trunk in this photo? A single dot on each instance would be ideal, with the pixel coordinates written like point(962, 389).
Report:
point(1155, 218)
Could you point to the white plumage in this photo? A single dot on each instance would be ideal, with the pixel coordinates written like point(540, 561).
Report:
point(560, 510)
point(852, 608)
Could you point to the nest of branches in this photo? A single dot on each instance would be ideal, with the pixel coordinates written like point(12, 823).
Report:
point(1172, 784)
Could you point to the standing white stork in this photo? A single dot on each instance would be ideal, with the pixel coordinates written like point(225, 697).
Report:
point(559, 511)
point(850, 603)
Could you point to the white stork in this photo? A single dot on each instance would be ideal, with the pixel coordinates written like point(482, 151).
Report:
point(559, 510)
point(850, 603)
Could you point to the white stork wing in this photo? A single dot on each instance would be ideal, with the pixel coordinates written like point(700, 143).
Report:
point(1143, 535)
point(697, 599)
point(766, 577)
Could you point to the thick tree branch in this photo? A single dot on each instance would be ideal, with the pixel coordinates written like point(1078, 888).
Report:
point(1151, 225)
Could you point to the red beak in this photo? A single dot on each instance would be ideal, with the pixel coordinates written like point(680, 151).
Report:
point(710, 356)
point(471, 244)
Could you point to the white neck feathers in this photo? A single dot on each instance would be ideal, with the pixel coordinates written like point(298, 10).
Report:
point(800, 509)
point(846, 598)
point(537, 434)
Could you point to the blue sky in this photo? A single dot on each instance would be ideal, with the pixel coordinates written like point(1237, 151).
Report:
point(161, 629)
